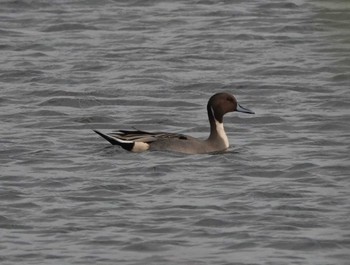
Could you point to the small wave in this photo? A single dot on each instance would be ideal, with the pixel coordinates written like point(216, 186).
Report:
point(68, 27)
point(212, 222)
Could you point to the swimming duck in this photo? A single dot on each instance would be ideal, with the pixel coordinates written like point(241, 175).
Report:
point(139, 141)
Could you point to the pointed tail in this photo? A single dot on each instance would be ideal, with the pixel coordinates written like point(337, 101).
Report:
point(128, 145)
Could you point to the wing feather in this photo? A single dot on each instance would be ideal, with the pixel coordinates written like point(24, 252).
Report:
point(143, 136)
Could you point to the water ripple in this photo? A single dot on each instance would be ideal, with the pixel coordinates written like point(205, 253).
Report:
point(281, 191)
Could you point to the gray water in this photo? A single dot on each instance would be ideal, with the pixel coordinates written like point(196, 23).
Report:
point(279, 195)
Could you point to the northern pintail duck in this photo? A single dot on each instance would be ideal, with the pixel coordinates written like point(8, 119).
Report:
point(218, 105)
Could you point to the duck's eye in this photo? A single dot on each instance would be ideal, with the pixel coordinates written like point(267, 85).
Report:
point(229, 99)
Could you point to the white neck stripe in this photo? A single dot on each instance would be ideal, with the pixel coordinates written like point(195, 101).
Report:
point(212, 112)
point(221, 132)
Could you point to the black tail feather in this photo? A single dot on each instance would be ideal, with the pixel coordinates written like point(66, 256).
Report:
point(108, 138)
point(126, 146)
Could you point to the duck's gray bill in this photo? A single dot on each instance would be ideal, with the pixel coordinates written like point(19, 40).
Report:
point(244, 110)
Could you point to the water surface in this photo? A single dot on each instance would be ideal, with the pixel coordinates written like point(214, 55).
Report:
point(279, 195)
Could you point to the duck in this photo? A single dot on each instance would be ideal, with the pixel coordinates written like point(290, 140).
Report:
point(139, 141)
